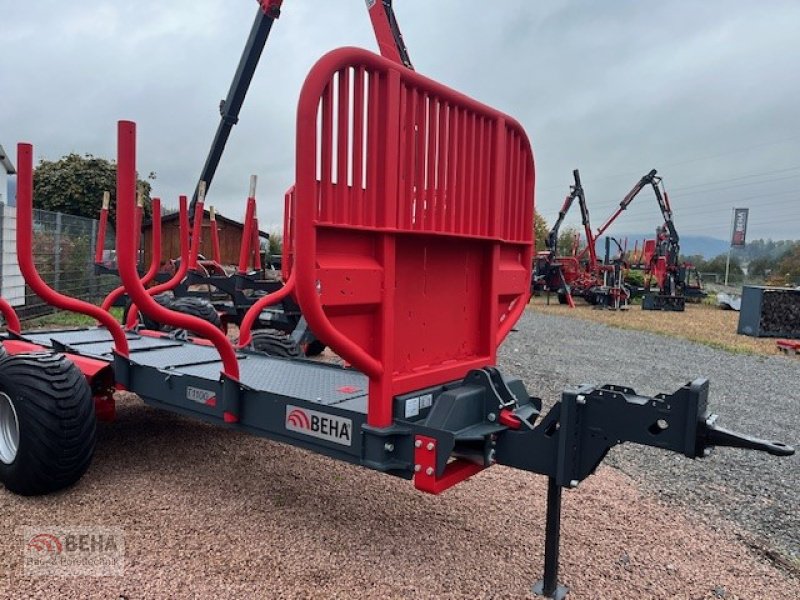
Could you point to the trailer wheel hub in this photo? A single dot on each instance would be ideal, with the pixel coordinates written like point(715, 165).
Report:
point(9, 430)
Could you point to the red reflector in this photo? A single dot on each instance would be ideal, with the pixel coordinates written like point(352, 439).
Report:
point(348, 389)
point(509, 419)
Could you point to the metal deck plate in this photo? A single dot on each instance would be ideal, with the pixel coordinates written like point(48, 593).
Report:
point(302, 379)
point(307, 380)
point(71, 337)
point(137, 346)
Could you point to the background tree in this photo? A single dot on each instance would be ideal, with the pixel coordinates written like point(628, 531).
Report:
point(540, 229)
point(697, 260)
point(74, 185)
point(275, 243)
point(789, 265)
point(566, 241)
point(762, 267)
point(717, 265)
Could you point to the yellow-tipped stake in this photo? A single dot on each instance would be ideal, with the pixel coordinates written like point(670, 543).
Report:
point(106, 200)
point(253, 181)
point(201, 192)
point(214, 234)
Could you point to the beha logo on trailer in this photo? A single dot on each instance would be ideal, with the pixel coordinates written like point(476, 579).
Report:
point(319, 425)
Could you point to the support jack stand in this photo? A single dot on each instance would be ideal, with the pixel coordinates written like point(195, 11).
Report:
point(548, 586)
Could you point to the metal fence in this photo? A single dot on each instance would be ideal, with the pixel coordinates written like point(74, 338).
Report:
point(63, 251)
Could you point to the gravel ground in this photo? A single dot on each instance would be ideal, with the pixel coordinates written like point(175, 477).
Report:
point(753, 394)
point(209, 512)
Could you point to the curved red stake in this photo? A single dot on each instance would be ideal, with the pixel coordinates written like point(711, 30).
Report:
point(245, 335)
point(180, 272)
point(126, 254)
point(25, 255)
point(10, 315)
point(155, 250)
point(287, 244)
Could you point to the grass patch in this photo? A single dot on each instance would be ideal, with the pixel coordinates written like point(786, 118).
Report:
point(63, 318)
point(701, 323)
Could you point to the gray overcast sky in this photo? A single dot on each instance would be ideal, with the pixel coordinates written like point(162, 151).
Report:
point(706, 92)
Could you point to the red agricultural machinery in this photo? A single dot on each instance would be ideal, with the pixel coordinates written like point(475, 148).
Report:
point(581, 274)
point(660, 258)
point(603, 282)
point(410, 255)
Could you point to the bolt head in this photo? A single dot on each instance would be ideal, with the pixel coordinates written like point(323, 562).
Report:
point(429, 471)
point(418, 444)
point(430, 446)
point(389, 447)
point(492, 417)
point(573, 483)
point(706, 452)
point(581, 399)
point(417, 468)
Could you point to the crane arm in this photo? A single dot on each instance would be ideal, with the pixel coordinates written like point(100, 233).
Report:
point(387, 33)
point(268, 12)
point(575, 191)
point(650, 178)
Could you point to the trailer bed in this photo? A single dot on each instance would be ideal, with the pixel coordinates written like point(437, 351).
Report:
point(310, 381)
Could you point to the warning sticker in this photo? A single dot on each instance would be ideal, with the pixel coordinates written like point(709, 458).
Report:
point(412, 407)
point(425, 401)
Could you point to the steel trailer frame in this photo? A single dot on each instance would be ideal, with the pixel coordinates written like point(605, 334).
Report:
point(425, 218)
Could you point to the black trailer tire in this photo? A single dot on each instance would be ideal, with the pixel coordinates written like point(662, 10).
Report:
point(165, 299)
point(198, 307)
point(46, 407)
point(274, 343)
point(315, 348)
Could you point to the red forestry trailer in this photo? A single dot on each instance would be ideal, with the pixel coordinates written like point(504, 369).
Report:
point(411, 248)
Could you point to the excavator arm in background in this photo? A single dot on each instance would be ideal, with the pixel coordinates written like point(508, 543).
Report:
point(575, 192)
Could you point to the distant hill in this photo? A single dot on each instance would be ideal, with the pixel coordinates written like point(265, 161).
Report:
point(708, 247)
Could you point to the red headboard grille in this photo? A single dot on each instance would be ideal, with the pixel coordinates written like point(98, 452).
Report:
point(413, 220)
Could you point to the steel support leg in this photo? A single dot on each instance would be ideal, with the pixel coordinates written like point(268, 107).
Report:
point(548, 586)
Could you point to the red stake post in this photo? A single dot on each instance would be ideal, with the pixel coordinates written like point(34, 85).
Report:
point(155, 250)
point(244, 251)
point(183, 267)
point(126, 255)
point(25, 255)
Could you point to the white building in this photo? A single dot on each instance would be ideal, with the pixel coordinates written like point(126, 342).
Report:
point(6, 169)
point(12, 286)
